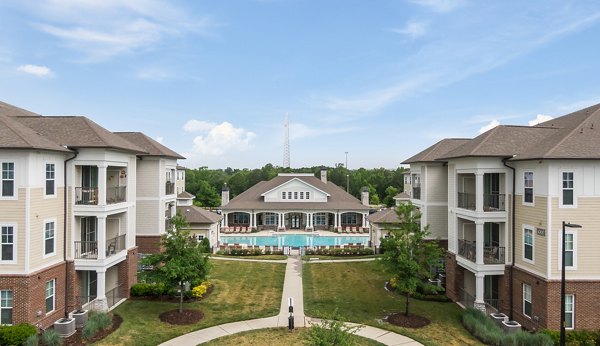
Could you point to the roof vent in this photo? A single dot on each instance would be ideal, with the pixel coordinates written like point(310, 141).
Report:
point(581, 130)
point(592, 127)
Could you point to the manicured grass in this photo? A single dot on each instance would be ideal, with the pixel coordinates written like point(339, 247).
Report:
point(243, 290)
point(275, 337)
point(356, 289)
point(261, 257)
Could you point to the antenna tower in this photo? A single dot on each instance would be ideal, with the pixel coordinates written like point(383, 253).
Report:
point(286, 143)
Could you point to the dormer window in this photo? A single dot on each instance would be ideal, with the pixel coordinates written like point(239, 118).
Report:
point(283, 195)
point(307, 195)
point(301, 194)
point(295, 195)
point(290, 195)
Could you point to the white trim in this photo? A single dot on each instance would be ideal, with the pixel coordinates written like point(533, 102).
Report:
point(54, 193)
point(532, 229)
point(295, 179)
point(560, 242)
point(572, 311)
point(525, 300)
point(44, 223)
point(15, 195)
point(15, 242)
point(12, 305)
point(523, 202)
point(530, 271)
point(53, 295)
point(560, 190)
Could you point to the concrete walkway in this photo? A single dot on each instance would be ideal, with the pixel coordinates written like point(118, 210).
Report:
point(292, 288)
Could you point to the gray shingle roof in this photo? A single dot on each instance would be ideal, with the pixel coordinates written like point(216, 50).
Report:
point(252, 199)
point(402, 195)
point(185, 195)
point(152, 147)
point(13, 111)
point(14, 135)
point(384, 216)
point(436, 151)
point(195, 214)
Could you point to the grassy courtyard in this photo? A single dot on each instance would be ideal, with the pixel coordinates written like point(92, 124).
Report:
point(356, 289)
point(243, 290)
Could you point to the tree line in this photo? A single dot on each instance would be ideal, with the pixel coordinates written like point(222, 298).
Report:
point(206, 184)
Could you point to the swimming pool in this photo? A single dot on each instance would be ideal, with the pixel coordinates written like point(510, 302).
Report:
point(295, 240)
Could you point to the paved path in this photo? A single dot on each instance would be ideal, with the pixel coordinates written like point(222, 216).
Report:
point(292, 288)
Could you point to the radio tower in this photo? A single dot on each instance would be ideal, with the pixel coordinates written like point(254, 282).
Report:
point(286, 143)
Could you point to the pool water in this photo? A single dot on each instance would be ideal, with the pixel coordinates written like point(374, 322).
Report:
point(295, 240)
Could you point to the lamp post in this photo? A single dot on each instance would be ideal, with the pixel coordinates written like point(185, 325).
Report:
point(563, 284)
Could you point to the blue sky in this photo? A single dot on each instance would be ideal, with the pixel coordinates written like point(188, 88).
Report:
point(381, 80)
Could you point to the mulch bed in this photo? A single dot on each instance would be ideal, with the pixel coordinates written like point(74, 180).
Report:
point(175, 299)
point(77, 340)
point(181, 318)
point(410, 321)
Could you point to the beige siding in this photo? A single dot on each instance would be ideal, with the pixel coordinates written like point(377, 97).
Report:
point(147, 177)
point(534, 216)
point(42, 209)
point(148, 218)
point(437, 218)
point(13, 211)
point(587, 214)
point(437, 184)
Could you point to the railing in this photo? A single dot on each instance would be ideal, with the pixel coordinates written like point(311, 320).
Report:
point(468, 301)
point(491, 254)
point(89, 249)
point(116, 194)
point(494, 202)
point(115, 244)
point(114, 295)
point(467, 249)
point(86, 195)
point(416, 192)
point(168, 224)
point(466, 200)
point(169, 188)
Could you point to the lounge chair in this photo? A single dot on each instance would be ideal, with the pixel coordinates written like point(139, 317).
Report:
point(353, 229)
point(237, 230)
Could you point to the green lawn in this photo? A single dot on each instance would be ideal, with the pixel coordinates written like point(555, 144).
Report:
point(243, 290)
point(323, 257)
point(260, 257)
point(356, 289)
point(275, 337)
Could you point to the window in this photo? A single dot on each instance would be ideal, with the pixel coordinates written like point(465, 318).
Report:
point(528, 187)
point(8, 179)
point(349, 218)
point(527, 306)
point(569, 311)
point(283, 195)
point(295, 195)
point(289, 195)
point(320, 219)
point(301, 194)
point(6, 304)
point(50, 175)
point(199, 237)
point(528, 244)
point(567, 188)
point(270, 219)
point(569, 250)
point(50, 286)
point(241, 218)
point(7, 243)
point(49, 239)
point(307, 195)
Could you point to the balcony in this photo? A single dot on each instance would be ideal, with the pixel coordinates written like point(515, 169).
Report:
point(116, 194)
point(89, 249)
point(416, 192)
point(86, 195)
point(169, 188)
point(494, 202)
point(491, 254)
point(466, 200)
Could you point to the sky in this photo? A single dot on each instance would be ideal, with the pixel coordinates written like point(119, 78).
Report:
point(380, 80)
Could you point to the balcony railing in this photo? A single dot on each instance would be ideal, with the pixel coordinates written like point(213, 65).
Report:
point(491, 254)
point(89, 249)
point(114, 295)
point(466, 200)
point(468, 301)
point(86, 195)
point(416, 192)
point(494, 202)
point(169, 188)
point(116, 194)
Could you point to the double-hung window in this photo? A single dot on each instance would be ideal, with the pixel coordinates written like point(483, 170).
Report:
point(50, 290)
point(528, 244)
point(569, 311)
point(7, 243)
point(49, 238)
point(8, 179)
point(6, 306)
point(270, 219)
point(528, 187)
point(527, 306)
point(567, 188)
point(569, 250)
point(50, 179)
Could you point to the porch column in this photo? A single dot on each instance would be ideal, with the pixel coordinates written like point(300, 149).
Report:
point(225, 220)
point(102, 183)
point(335, 220)
point(101, 236)
point(101, 303)
point(364, 220)
point(479, 289)
point(253, 224)
point(479, 242)
point(479, 192)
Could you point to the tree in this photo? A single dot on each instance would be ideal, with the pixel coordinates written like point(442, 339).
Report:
point(390, 193)
point(331, 331)
point(183, 259)
point(408, 254)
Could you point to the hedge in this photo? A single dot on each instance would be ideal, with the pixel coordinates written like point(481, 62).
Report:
point(576, 337)
point(340, 252)
point(147, 290)
point(16, 335)
point(248, 252)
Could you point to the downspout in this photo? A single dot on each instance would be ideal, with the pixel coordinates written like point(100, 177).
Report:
point(512, 250)
point(65, 233)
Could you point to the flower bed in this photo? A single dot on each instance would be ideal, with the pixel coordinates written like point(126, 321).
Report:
point(340, 252)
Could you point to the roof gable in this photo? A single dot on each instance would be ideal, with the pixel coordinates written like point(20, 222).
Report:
point(293, 185)
point(152, 147)
point(436, 151)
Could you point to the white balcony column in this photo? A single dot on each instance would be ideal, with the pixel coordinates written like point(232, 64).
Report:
point(479, 192)
point(102, 183)
point(101, 236)
point(100, 303)
point(479, 289)
point(479, 242)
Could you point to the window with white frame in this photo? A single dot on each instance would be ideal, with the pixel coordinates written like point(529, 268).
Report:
point(528, 187)
point(241, 218)
point(307, 195)
point(569, 250)
point(7, 243)
point(295, 194)
point(50, 290)
point(528, 246)
point(301, 194)
point(50, 179)
point(527, 306)
point(569, 311)
point(283, 195)
point(289, 194)
point(320, 219)
point(6, 306)
point(8, 179)
point(270, 219)
point(349, 218)
point(49, 238)
point(567, 188)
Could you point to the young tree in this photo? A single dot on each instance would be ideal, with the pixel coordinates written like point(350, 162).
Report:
point(183, 259)
point(408, 255)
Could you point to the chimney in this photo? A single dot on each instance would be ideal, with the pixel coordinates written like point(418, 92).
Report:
point(364, 196)
point(224, 195)
point(324, 174)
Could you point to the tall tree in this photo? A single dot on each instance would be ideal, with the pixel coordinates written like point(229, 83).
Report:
point(183, 259)
point(408, 254)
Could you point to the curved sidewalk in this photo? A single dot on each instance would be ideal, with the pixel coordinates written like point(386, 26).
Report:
point(292, 288)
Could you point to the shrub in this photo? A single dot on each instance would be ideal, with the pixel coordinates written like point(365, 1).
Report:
point(205, 245)
point(51, 338)
point(340, 252)
point(16, 335)
point(331, 332)
point(102, 319)
point(90, 329)
point(147, 290)
point(32, 340)
point(198, 291)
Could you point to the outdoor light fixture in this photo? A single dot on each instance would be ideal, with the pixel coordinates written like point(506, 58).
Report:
point(563, 322)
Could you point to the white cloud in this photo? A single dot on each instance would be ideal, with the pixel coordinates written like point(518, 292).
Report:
point(153, 73)
point(540, 118)
point(440, 5)
point(298, 131)
point(489, 126)
point(412, 29)
point(160, 139)
point(217, 139)
point(36, 70)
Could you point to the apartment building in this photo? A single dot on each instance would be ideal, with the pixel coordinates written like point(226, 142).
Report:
point(509, 190)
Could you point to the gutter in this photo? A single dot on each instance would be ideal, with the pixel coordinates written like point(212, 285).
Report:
point(512, 250)
point(65, 233)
